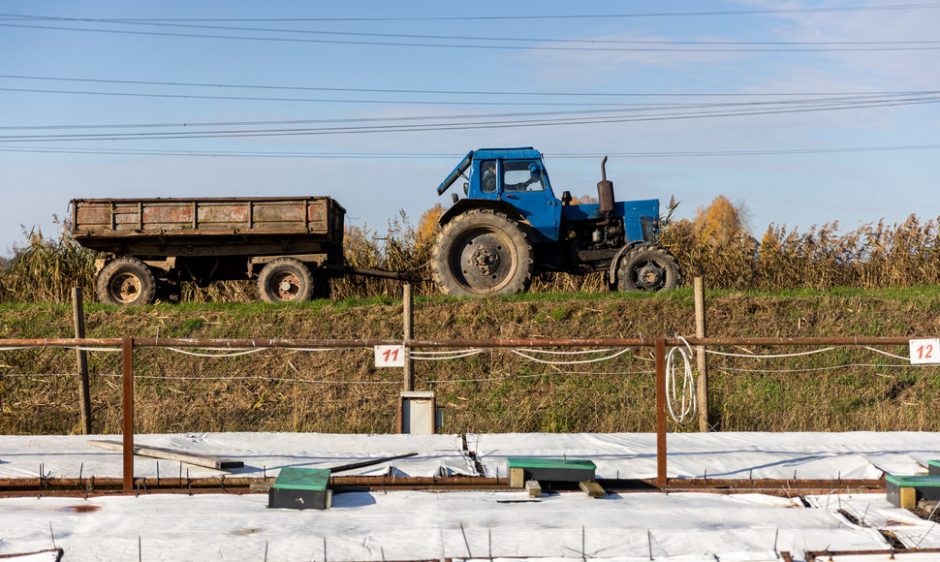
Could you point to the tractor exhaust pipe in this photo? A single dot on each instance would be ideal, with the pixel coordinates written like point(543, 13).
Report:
point(605, 192)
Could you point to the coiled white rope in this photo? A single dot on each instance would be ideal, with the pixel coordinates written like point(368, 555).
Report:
point(685, 397)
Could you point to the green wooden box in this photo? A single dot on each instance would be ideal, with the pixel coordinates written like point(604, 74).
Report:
point(301, 488)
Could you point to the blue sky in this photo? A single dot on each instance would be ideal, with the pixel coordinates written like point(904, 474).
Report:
point(794, 189)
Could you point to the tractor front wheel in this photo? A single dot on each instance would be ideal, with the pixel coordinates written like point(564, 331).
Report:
point(480, 253)
point(648, 268)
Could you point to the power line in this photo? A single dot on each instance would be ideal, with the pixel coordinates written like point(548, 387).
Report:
point(740, 12)
point(420, 156)
point(625, 109)
point(20, 17)
point(450, 126)
point(750, 49)
point(456, 92)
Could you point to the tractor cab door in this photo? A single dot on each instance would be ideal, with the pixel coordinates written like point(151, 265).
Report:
point(524, 185)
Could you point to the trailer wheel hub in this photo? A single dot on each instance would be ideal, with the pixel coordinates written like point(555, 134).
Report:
point(125, 287)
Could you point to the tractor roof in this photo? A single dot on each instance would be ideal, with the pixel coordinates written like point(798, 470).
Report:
point(518, 152)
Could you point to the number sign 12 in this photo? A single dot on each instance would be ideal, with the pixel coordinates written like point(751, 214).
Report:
point(389, 356)
point(925, 351)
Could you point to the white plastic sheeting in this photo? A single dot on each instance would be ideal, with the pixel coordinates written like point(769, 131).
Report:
point(262, 453)
point(874, 510)
point(408, 525)
point(624, 455)
point(722, 455)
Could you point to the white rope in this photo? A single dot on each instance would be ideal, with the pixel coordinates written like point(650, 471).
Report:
point(886, 354)
point(828, 368)
point(773, 356)
point(550, 352)
point(230, 354)
point(579, 362)
point(463, 355)
point(415, 352)
point(686, 397)
point(549, 374)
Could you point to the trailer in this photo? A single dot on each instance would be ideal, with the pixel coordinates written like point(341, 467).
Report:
point(290, 245)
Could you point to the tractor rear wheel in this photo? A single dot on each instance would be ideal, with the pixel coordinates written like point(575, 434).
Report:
point(285, 280)
point(480, 253)
point(126, 281)
point(648, 268)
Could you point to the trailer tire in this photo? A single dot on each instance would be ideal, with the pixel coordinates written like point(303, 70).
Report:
point(648, 268)
point(126, 281)
point(482, 252)
point(285, 280)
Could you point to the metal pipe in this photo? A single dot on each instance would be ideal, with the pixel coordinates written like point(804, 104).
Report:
point(127, 411)
point(661, 480)
point(457, 343)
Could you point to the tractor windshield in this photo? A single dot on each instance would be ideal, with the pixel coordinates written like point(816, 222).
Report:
point(522, 175)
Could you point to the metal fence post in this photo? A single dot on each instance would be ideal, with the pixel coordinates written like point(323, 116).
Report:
point(81, 358)
point(661, 412)
point(127, 411)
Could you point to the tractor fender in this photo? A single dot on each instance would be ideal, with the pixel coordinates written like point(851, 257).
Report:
point(612, 273)
point(465, 205)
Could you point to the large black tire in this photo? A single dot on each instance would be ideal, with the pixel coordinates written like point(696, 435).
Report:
point(648, 268)
point(285, 280)
point(126, 281)
point(480, 253)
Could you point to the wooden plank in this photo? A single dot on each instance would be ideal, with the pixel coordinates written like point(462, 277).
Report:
point(81, 358)
point(207, 461)
point(593, 489)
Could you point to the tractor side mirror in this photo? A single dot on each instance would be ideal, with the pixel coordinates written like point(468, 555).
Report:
point(566, 198)
point(466, 188)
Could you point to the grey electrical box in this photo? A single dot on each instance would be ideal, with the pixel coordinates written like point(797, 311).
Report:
point(417, 413)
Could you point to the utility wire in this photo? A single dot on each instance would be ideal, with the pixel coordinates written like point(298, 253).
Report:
point(620, 109)
point(500, 124)
point(474, 37)
point(527, 17)
point(461, 92)
point(540, 47)
point(448, 156)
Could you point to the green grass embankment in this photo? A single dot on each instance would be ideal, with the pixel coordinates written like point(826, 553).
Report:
point(341, 391)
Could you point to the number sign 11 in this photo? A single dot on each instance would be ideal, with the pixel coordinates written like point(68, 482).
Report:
point(389, 356)
point(925, 351)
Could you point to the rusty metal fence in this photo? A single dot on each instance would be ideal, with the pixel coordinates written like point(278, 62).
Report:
point(659, 345)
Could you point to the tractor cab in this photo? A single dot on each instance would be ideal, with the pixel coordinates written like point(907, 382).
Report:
point(513, 178)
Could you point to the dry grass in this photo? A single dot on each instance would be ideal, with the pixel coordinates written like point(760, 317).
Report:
point(490, 392)
point(715, 245)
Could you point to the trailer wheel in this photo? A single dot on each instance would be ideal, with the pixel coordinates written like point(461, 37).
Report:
point(648, 268)
point(482, 252)
point(126, 281)
point(285, 280)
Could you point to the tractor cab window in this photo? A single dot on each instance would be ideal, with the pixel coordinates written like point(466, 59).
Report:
point(522, 175)
point(488, 176)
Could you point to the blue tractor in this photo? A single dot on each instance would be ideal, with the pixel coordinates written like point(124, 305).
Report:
point(510, 227)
